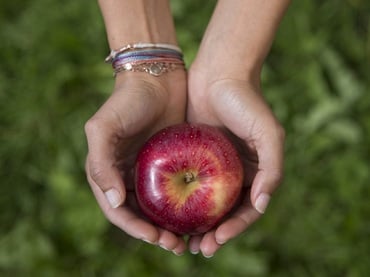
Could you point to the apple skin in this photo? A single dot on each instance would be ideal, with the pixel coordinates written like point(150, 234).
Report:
point(188, 177)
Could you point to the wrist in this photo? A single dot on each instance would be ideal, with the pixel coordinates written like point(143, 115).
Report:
point(171, 85)
point(238, 38)
point(203, 74)
point(135, 21)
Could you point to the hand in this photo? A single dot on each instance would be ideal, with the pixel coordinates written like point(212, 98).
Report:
point(238, 106)
point(139, 106)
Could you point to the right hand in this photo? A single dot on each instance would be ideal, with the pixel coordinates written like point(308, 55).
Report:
point(139, 106)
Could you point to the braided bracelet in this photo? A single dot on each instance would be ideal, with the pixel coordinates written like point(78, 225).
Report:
point(155, 60)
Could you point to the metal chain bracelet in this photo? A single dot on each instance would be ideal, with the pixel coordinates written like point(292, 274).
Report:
point(154, 59)
point(153, 68)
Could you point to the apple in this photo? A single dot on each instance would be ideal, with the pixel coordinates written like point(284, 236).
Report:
point(188, 177)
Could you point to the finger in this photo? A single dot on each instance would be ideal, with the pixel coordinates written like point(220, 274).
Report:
point(194, 244)
point(257, 126)
point(134, 226)
point(125, 219)
point(122, 115)
point(100, 163)
point(237, 224)
point(170, 242)
point(209, 245)
point(270, 151)
point(180, 248)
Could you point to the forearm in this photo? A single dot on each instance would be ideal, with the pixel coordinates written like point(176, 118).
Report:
point(239, 37)
point(133, 21)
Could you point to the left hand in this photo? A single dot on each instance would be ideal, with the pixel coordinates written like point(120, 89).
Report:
point(238, 106)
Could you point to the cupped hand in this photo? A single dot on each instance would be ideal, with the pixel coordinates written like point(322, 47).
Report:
point(140, 105)
point(239, 107)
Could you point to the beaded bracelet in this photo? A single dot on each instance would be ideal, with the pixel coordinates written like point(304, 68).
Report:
point(154, 59)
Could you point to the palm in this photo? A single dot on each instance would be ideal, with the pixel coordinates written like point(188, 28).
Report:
point(240, 108)
point(137, 108)
point(237, 107)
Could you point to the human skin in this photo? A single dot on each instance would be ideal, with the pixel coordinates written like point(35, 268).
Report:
point(139, 106)
point(224, 90)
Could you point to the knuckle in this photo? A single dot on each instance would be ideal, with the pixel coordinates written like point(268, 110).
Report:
point(96, 172)
point(92, 126)
point(279, 131)
point(279, 177)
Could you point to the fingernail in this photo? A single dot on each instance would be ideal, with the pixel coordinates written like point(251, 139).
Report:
point(207, 256)
point(113, 197)
point(194, 252)
point(262, 202)
point(177, 254)
point(221, 242)
point(163, 247)
point(148, 241)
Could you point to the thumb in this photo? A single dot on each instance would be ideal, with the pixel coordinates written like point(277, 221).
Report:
point(101, 167)
point(107, 179)
point(270, 150)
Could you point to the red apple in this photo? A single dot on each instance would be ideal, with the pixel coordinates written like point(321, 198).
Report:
point(188, 177)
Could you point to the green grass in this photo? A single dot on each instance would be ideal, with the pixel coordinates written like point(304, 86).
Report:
point(52, 79)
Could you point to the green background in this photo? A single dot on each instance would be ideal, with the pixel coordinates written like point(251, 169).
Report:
point(52, 79)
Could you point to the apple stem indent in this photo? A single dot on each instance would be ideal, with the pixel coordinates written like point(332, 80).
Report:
point(189, 177)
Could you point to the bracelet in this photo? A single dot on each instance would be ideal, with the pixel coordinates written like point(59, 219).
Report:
point(112, 55)
point(146, 58)
point(146, 54)
point(153, 68)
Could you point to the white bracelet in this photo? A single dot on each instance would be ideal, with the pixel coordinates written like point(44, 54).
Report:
point(113, 53)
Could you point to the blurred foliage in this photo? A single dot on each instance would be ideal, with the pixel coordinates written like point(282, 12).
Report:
point(52, 79)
